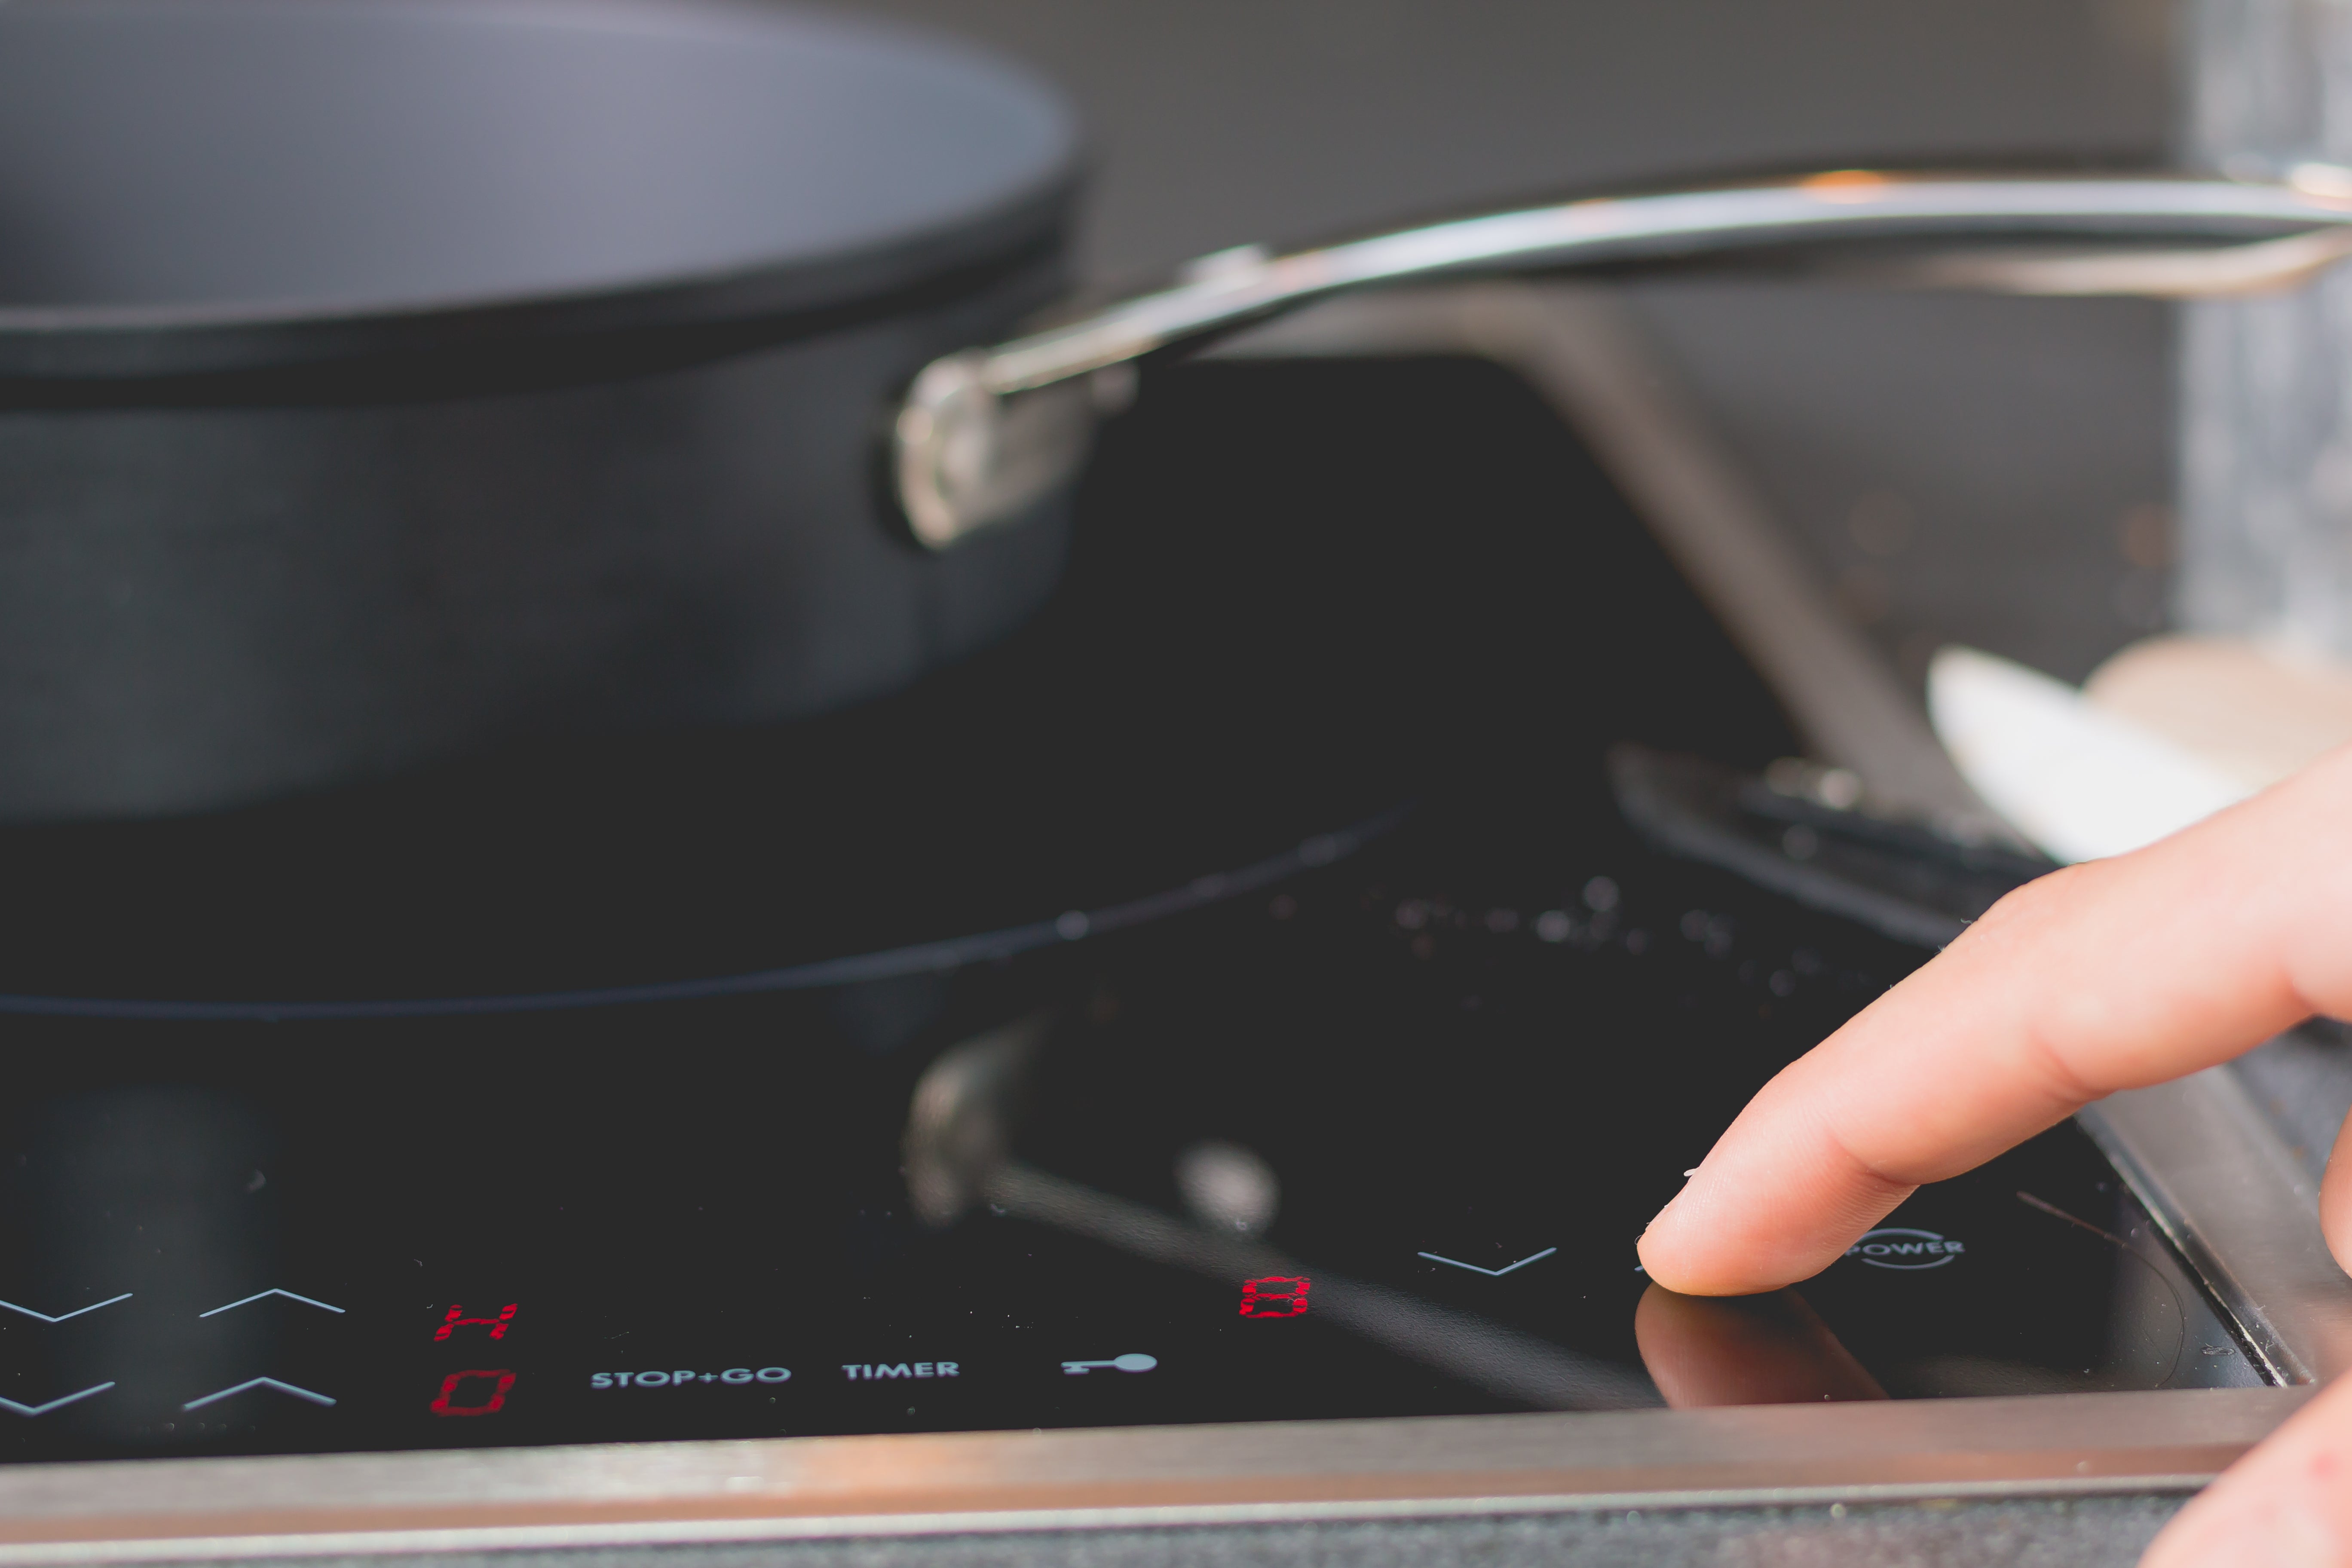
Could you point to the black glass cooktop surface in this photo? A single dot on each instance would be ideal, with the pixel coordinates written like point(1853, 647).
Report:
point(1239, 999)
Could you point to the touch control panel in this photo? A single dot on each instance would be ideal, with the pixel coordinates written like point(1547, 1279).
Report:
point(1374, 1140)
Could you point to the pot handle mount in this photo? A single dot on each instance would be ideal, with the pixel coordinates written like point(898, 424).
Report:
point(983, 434)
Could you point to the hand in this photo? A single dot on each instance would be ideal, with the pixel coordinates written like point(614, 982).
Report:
point(2109, 976)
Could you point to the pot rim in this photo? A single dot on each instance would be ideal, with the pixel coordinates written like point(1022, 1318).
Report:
point(131, 342)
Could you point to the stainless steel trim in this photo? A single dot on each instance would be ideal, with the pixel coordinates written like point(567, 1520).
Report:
point(1584, 352)
point(2241, 1209)
point(964, 456)
point(2301, 1081)
point(895, 1485)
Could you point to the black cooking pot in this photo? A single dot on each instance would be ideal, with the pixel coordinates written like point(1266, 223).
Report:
point(383, 377)
point(377, 378)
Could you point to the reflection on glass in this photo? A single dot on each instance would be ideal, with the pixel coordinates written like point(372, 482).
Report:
point(1747, 1349)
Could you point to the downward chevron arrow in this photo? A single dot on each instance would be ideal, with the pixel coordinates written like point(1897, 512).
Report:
point(77, 1313)
point(1491, 1273)
point(54, 1404)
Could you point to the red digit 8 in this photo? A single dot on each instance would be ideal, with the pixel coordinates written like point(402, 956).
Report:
point(1259, 1301)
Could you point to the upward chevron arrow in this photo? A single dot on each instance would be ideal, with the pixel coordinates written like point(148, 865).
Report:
point(215, 1397)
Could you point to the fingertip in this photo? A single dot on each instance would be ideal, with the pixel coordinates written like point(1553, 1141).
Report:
point(1740, 1227)
point(1663, 1258)
point(1680, 1251)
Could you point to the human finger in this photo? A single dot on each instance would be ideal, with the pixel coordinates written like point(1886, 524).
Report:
point(2104, 976)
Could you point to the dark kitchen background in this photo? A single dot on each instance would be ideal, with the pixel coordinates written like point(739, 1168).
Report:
point(1987, 471)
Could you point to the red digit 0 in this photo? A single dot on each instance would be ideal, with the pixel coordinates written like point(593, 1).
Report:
point(444, 1404)
point(1260, 1302)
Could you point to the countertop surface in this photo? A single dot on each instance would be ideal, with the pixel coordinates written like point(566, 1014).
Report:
point(2044, 1532)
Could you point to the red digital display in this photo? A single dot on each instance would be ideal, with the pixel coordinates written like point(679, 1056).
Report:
point(1275, 1296)
point(446, 1403)
point(457, 1320)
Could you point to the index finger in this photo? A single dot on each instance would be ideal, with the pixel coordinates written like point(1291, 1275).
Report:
point(2108, 976)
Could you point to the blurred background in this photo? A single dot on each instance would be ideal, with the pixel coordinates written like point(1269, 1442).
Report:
point(1990, 471)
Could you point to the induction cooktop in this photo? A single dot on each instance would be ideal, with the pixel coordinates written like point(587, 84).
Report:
point(1241, 999)
point(1373, 1138)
